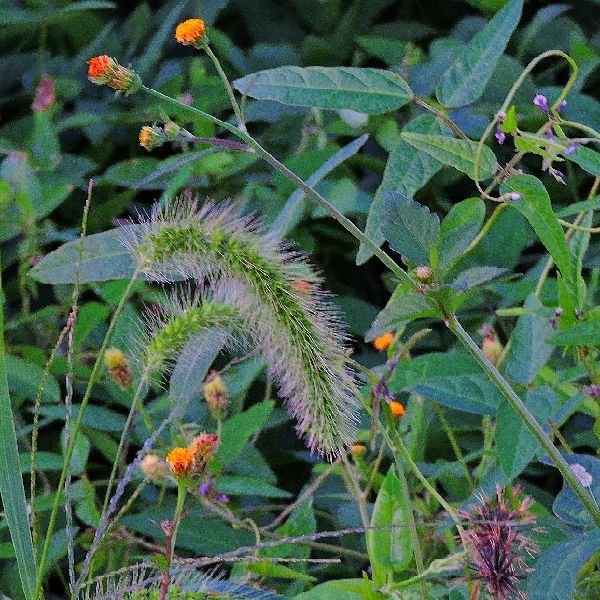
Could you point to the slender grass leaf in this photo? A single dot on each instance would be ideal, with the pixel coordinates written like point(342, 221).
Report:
point(371, 91)
point(578, 207)
point(389, 549)
point(410, 228)
point(466, 79)
point(459, 154)
point(11, 482)
point(406, 171)
point(536, 207)
point(557, 569)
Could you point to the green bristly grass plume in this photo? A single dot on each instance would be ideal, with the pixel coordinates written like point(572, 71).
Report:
point(295, 327)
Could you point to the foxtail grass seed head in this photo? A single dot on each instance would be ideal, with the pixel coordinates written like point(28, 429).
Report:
point(181, 461)
point(495, 543)
point(151, 137)
point(397, 409)
point(155, 467)
point(383, 342)
point(191, 32)
point(118, 367)
point(104, 70)
point(299, 335)
point(216, 396)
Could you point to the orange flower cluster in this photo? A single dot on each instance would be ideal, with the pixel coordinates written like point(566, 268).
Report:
point(190, 32)
point(181, 461)
point(383, 342)
point(104, 70)
point(193, 459)
point(397, 409)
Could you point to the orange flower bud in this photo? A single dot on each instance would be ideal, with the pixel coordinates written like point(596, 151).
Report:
point(492, 348)
point(104, 70)
point(358, 450)
point(397, 409)
point(216, 396)
point(190, 32)
point(383, 342)
point(204, 446)
point(151, 137)
point(423, 273)
point(180, 460)
point(118, 366)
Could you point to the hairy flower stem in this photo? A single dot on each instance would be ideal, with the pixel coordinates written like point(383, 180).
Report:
point(527, 418)
point(75, 431)
point(404, 277)
point(172, 539)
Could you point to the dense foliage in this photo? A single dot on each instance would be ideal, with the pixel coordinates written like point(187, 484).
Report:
point(300, 299)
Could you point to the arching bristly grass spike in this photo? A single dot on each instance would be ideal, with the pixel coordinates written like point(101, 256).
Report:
point(284, 309)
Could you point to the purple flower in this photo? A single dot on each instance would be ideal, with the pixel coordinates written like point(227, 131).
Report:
point(549, 135)
point(514, 196)
point(580, 472)
point(500, 135)
point(541, 101)
point(594, 391)
point(570, 149)
point(561, 106)
point(559, 311)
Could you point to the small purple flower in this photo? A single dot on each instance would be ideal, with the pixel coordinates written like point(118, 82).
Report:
point(561, 106)
point(558, 175)
point(593, 391)
point(500, 135)
point(553, 323)
point(559, 311)
point(549, 135)
point(221, 498)
point(580, 472)
point(570, 149)
point(514, 196)
point(541, 101)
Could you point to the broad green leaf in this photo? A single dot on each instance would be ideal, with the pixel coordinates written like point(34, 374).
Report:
point(456, 153)
point(475, 276)
point(587, 159)
point(95, 417)
point(459, 228)
point(536, 207)
point(238, 429)
point(410, 228)
point(557, 569)
point(389, 549)
point(44, 461)
point(452, 378)
point(510, 125)
point(81, 452)
point(301, 522)
point(577, 207)
point(25, 377)
point(265, 568)
point(583, 333)
point(340, 589)
point(406, 171)
point(466, 79)
point(240, 485)
point(372, 91)
point(104, 258)
point(516, 445)
point(12, 491)
point(529, 349)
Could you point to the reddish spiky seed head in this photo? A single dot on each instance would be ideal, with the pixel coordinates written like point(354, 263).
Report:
point(204, 446)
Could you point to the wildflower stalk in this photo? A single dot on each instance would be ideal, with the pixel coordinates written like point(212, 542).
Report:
point(404, 277)
point(75, 431)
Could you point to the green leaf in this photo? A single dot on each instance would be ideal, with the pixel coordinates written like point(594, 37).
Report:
point(476, 276)
point(372, 91)
point(536, 207)
point(266, 568)
point(12, 491)
point(456, 153)
point(301, 522)
point(510, 124)
point(81, 452)
point(339, 589)
point(516, 445)
point(577, 207)
point(410, 228)
point(583, 333)
point(389, 549)
point(104, 258)
point(466, 79)
point(529, 349)
point(557, 569)
point(459, 228)
point(237, 431)
point(452, 378)
point(240, 485)
point(95, 417)
point(25, 377)
point(587, 159)
point(406, 171)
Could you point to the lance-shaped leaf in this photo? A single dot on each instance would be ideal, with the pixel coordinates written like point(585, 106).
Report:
point(459, 154)
point(410, 228)
point(371, 91)
point(466, 79)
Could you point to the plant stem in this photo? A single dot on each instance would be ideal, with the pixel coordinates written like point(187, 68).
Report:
point(526, 416)
point(76, 427)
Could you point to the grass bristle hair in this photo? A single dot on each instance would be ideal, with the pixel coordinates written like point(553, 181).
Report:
point(297, 329)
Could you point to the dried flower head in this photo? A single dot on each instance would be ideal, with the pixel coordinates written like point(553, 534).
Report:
point(117, 364)
point(151, 137)
point(397, 409)
point(204, 446)
point(44, 94)
point(383, 342)
point(495, 542)
point(104, 70)
point(215, 394)
point(423, 273)
point(181, 461)
point(154, 466)
point(190, 32)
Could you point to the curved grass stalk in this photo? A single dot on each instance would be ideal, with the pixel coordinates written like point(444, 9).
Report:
point(297, 330)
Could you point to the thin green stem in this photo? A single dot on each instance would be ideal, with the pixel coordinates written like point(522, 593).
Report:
point(577, 227)
point(526, 416)
point(181, 492)
point(486, 227)
point(76, 428)
point(442, 116)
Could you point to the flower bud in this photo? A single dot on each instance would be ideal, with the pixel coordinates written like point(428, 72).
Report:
point(104, 70)
point(154, 466)
point(44, 94)
point(358, 450)
point(191, 32)
point(181, 461)
point(204, 446)
point(397, 409)
point(423, 273)
point(151, 137)
point(116, 362)
point(492, 348)
point(383, 342)
point(216, 396)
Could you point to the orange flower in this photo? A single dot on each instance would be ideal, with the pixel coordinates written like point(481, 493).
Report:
point(358, 450)
point(397, 409)
point(190, 32)
point(180, 460)
point(104, 70)
point(383, 342)
point(150, 137)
